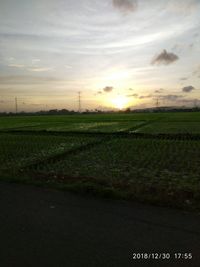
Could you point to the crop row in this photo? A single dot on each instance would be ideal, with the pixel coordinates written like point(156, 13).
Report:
point(100, 127)
point(14, 121)
point(171, 128)
point(146, 127)
point(135, 161)
point(19, 150)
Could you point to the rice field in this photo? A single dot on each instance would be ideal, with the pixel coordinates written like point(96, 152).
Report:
point(111, 154)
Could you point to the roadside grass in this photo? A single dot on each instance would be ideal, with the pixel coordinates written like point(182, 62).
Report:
point(158, 195)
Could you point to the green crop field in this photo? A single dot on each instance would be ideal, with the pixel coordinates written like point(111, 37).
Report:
point(21, 150)
point(151, 157)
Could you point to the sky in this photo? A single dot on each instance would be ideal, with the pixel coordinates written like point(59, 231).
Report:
point(117, 53)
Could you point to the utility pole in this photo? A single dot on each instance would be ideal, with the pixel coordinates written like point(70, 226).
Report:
point(79, 102)
point(195, 103)
point(16, 105)
point(157, 103)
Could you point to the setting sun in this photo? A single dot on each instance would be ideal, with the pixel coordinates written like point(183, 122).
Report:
point(120, 102)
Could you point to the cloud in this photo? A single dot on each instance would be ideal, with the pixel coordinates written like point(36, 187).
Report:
point(181, 100)
point(188, 89)
point(145, 96)
point(68, 67)
point(171, 97)
point(16, 65)
point(183, 7)
point(196, 72)
point(16, 80)
point(35, 60)
point(184, 78)
point(125, 6)
point(158, 91)
point(132, 95)
point(140, 96)
point(191, 45)
point(34, 69)
point(40, 69)
point(161, 97)
point(194, 102)
point(164, 58)
point(108, 89)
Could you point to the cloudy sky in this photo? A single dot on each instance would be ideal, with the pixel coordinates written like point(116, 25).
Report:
point(127, 51)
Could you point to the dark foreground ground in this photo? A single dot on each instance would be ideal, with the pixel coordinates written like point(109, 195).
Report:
point(42, 227)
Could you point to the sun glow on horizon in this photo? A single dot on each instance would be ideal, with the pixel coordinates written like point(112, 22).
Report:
point(120, 102)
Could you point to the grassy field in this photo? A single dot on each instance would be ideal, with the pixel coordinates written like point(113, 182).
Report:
point(150, 157)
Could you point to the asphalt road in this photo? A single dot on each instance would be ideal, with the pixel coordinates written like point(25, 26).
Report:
point(42, 227)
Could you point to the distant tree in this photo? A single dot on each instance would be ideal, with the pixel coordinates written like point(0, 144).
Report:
point(128, 110)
